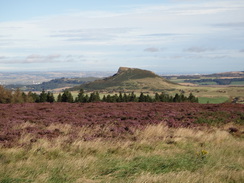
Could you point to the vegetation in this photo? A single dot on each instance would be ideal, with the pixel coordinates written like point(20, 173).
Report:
point(215, 81)
point(128, 79)
point(158, 154)
point(121, 137)
point(54, 84)
point(213, 100)
point(121, 142)
point(6, 96)
point(227, 78)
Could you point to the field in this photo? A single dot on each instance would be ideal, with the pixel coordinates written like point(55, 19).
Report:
point(121, 142)
point(213, 100)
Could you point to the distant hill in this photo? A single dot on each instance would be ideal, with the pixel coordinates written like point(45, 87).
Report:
point(129, 79)
point(54, 84)
point(227, 74)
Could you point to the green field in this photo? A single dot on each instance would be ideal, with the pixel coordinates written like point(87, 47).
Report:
point(237, 83)
point(212, 100)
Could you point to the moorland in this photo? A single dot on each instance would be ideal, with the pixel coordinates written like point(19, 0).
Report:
point(119, 140)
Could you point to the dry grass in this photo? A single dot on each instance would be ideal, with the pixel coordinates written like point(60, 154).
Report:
point(159, 154)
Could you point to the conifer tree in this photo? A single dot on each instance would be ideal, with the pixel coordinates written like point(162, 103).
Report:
point(67, 96)
point(43, 96)
point(125, 98)
point(59, 99)
point(120, 98)
point(148, 98)
point(108, 98)
point(115, 98)
point(104, 98)
point(176, 98)
point(80, 97)
point(157, 97)
point(50, 97)
point(86, 98)
point(141, 98)
point(132, 97)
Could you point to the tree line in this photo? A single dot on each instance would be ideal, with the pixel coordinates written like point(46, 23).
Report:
point(17, 96)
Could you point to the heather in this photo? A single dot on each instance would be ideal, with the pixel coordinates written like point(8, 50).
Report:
point(108, 120)
point(121, 142)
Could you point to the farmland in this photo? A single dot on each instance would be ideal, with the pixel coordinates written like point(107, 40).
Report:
point(121, 142)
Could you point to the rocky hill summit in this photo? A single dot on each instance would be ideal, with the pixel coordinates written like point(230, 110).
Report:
point(129, 79)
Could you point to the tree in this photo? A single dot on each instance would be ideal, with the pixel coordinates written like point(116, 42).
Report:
point(80, 97)
point(164, 97)
point(132, 97)
point(192, 98)
point(183, 98)
point(67, 96)
point(104, 98)
point(108, 98)
point(157, 97)
point(5, 95)
point(125, 98)
point(148, 98)
point(18, 96)
point(86, 99)
point(35, 97)
point(141, 98)
point(30, 98)
point(115, 98)
point(43, 96)
point(176, 98)
point(59, 99)
point(50, 97)
point(120, 98)
point(94, 97)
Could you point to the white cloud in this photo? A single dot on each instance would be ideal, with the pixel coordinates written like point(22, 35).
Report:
point(198, 49)
point(104, 37)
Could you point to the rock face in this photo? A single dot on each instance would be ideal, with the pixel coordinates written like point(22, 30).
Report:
point(123, 69)
point(135, 70)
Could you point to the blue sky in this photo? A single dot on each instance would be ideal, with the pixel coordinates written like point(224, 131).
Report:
point(167, 36)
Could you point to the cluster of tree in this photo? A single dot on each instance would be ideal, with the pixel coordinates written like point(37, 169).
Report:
point(218, 81)
point(17, 96)
point(131, 97)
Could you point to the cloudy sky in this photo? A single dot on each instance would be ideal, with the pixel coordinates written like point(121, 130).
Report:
point(165, 36)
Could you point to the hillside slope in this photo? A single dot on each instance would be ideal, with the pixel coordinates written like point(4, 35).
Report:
point(129, 79)
point(54, 84)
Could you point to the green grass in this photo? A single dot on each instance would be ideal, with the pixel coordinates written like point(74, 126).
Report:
point(212, 100)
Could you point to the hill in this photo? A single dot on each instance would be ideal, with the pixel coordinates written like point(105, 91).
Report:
point(227, 74)
point(129, 79)
point(54, 84)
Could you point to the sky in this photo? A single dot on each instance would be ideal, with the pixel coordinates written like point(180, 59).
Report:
point(164, 36)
